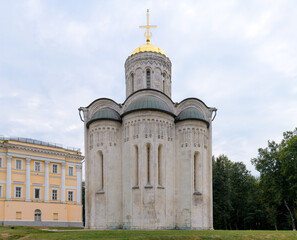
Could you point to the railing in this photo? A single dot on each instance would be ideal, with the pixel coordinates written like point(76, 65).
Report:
point(38, 142)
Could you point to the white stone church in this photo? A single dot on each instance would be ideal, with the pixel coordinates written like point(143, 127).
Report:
point(149, 159)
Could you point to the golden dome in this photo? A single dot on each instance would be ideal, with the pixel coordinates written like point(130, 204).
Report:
point(148, 48)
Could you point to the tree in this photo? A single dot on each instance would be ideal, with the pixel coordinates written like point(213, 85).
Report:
point(83, 188)
point(234, 196)
point(277, 165)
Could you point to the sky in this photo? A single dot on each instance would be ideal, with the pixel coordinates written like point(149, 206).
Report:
point(237, 56)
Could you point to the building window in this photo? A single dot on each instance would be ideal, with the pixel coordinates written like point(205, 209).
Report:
point(197, 173)
point(18, 192)
point(1, 189)
point(101, 171)
point(136, 166)
point(18, 164)
point(148, 152)
point(55, 168)
point(70, 196)
point(37, 166)
point(1, 162)
point(70, 171)
point(160, 165)
point(132, 82)
point(18, 215)
point(164, 82)
point(55, 216)
point(148, 78)
point(37, 193)
point(54, 194)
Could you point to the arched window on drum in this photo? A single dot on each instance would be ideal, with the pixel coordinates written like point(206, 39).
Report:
point(148, 78)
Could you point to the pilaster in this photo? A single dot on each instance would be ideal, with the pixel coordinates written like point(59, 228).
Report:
point(8, 177)
point(28, 190)
point(63, 183)
point(78, 184)
point(46, 181)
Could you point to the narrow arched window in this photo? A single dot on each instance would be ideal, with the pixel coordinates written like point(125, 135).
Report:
point(148, 152)
point(136, 166)
point(101, 171)
point(160, 168)
point(132, 82)
point(164, 82)
point(196, 172)
point(148, 78)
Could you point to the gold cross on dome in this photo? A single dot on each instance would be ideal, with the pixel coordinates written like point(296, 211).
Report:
point(148, 35)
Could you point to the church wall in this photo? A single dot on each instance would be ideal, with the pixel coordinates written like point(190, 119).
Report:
point(193, 189)
point(148, 204)
point(157, 173)
point(104, 173)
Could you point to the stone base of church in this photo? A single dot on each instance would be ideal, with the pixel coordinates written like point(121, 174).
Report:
point(149, 228)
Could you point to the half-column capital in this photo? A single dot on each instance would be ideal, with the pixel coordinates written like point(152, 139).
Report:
point(78, 167)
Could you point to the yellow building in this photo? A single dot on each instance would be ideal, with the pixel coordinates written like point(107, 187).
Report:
point(40, 184)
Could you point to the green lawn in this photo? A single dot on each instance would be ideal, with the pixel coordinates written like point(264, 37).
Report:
point(37, 233)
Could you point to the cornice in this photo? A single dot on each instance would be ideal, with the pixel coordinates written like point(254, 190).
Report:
point(40, 151)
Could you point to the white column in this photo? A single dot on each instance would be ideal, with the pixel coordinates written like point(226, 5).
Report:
point(28, 162)
point(63, 183)
point(78, 184)
point(46, 181)
point(8, 177)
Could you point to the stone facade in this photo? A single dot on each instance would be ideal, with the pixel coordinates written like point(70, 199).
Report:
point(148, 160)
point(40, 184)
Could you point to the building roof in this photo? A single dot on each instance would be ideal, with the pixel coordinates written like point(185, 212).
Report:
point(105, 113)
point(148, 48)
point(190, 113)
point(148, 103)
point(37, 142)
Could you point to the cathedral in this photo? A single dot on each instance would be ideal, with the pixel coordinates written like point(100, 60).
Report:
point(149, 159)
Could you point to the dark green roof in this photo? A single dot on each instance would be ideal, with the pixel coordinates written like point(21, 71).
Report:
point(105, 114)
point(148, 103)
point(190, 113)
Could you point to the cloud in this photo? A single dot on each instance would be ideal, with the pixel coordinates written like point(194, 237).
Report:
point(237, 56)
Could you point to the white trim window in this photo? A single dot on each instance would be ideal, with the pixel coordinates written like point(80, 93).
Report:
point(70, 171)
point(70, 196)
point(55, 168)
point(37, 166)
point(55, 194)
point(37, 193)
point(1, 190)
point(18, 164)
point(1, 162)
point(18, 192)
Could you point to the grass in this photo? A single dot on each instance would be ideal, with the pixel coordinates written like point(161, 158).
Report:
point(36, 233)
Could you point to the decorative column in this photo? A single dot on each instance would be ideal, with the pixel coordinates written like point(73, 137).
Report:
point(63, 183)
point(46, 181)
point(28, 192)
point(8, 178)
point(78, 184)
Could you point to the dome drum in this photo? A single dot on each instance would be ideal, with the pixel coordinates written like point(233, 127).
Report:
point(148, 70)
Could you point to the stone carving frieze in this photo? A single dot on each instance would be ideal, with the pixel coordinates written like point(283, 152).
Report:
point(148, 128)
point(192, 137)
point(101, 136)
